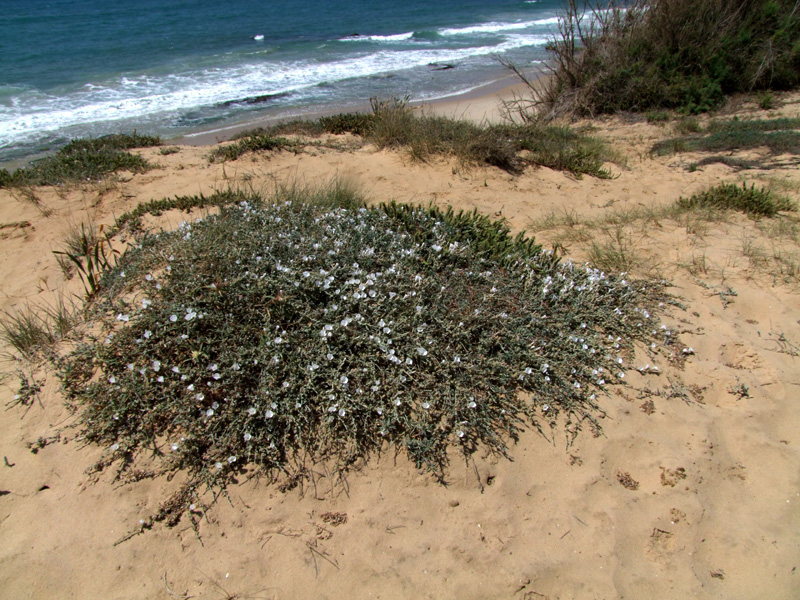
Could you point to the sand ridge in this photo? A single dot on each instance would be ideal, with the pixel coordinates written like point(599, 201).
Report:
point(693, 490)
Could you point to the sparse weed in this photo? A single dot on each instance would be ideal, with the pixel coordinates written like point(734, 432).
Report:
point(33, 330)
point(91, 253)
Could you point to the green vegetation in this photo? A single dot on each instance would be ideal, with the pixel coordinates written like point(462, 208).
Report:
point(33, 331)
point(91, 253)
point(394, 124)
point(82, 160)
point(779, 136)
point(678, 54)
point(252, 142)
point(753, 202)
point(317, 332)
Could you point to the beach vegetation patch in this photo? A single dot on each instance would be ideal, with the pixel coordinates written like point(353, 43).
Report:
point(395, 124)
point(252, 142)
point(278, 332)
point(778, 136)
point(730, 196)
point(647, 55)
point(90, 159)
point(33, 331)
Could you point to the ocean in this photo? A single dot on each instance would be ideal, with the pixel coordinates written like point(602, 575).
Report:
point(77, 68)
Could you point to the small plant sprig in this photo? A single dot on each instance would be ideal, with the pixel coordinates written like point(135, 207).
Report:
point(92, 256)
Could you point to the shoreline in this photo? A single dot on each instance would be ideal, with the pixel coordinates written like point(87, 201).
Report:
point(480, 103)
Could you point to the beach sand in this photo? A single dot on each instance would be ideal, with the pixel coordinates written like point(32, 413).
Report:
point(692, 490)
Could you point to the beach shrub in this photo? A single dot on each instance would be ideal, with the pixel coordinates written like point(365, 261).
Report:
point(355, 123)
point(277, 333)
point(84, 160)
point(729, 196)
point(681, 54)
point(252, 142)
point(779, 136)
point(394, 124)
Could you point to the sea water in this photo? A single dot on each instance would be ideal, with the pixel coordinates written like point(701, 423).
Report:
point(75, 68)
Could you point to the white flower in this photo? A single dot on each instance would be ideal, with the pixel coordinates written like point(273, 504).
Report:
point(397, 402)
point(112, 379)
point(174, 446)
point(422, 351)
point(426, 405)
point(460, 433)
point(231, 460)
point(545, 407)
point(121, 317)
point(218, 465)
point(190, 387)
point(341, 412)
point(472, 404)
point(160, 379)
point(156, 365)
point(251, 411)
point(269, 414)
point(247, 437)
point(114, 447)
point(173, 318)
point(210, 412)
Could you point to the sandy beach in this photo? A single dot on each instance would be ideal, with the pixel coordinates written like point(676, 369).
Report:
point(691, 491)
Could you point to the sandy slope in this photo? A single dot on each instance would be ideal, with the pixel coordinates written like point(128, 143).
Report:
point(716, 513)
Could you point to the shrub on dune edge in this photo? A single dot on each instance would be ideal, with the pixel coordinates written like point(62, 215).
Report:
point(275, 333)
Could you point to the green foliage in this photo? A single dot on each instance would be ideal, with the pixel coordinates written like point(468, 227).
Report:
point(753, 202)
point(82, 160)
point(395, 124)
point(766, 100)
point(780, 136)
point(355, 123)
point(91, 254)
point(133, 219)
point(271, 334)
point(33, 330)
point(117, 141)
point(687, 55)
point(253, 142)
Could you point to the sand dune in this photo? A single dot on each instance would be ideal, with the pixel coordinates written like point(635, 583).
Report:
point(692, 491)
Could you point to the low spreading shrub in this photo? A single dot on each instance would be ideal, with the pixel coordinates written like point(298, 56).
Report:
point(82, 160)
point(280, 332)
point(729, 196)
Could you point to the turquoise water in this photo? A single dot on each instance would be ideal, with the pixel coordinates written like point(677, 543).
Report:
point(82, 67)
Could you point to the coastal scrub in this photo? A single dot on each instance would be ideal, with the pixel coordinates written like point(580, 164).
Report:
point(275, 333)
